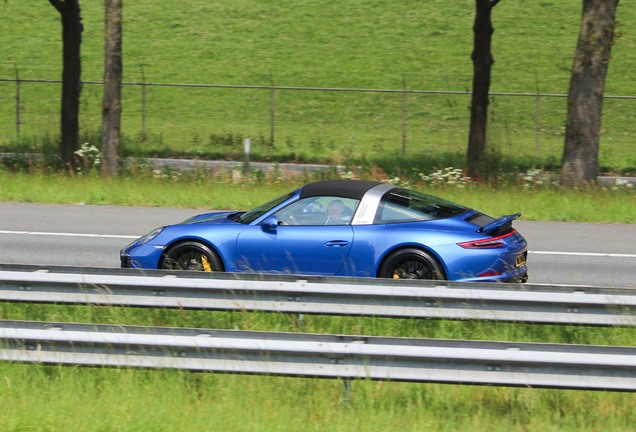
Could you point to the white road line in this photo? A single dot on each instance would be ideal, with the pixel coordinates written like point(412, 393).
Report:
point(38, 233)
point(589, 254)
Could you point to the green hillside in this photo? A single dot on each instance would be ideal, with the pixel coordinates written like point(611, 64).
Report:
point(355, 44)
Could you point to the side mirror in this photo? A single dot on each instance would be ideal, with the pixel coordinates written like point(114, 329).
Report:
point(270, 223)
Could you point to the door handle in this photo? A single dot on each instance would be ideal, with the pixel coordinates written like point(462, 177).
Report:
point(337, 243)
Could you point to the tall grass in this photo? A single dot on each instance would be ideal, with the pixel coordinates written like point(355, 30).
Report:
point(231, 190)
point(39, 397)
point(75, 399)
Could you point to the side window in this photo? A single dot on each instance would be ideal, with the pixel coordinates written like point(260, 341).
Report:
point(324, 210)
point(400, 205)
point(398, 209)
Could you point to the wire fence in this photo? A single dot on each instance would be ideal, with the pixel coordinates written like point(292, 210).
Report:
point(406, 111)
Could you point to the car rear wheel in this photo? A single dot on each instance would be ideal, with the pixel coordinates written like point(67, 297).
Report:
point(411, 264)
point(192, 256)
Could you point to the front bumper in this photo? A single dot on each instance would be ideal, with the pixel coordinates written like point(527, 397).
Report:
point(125, 259)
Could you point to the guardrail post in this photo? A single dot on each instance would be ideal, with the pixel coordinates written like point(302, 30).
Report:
point(299, 322)
point(346, 390)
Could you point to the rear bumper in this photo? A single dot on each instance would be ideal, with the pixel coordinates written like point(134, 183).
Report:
point(522, 278)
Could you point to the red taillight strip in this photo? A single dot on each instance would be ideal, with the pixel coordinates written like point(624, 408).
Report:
point(490, 274)
point(490, 243)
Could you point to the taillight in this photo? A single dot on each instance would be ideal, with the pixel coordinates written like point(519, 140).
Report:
point(490, 274)
point(491, 243)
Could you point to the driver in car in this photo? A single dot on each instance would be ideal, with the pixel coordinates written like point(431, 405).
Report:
point(338, 213)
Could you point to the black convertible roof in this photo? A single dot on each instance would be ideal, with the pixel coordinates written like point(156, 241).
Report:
point(341, 188)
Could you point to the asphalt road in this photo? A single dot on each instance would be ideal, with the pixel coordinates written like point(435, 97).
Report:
point(78, 235)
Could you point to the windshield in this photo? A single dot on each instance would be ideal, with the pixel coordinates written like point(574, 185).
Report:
point(251, 216)
point(401, 205)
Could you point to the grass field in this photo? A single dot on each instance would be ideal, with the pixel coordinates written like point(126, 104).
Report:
point(356, 44)
point(74, 399)
point(363, 44)
point(99, 399)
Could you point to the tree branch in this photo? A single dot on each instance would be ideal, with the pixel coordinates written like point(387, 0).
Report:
point(57, 4)
point(493, 3)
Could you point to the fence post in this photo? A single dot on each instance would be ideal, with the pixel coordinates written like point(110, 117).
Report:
point(404, 114)
point(272, 111)
point(537, 126)
point(143, 104)
point(17, 101)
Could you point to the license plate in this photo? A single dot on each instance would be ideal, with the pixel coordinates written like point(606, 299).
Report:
point(521, 260)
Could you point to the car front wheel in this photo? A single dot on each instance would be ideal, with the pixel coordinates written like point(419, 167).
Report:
point(193, 256)
point(411, 264)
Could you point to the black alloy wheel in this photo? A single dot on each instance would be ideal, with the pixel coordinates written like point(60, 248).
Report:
point(411, 264)
point(191, 256)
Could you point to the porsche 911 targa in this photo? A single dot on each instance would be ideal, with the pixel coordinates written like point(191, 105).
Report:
point(342, 228)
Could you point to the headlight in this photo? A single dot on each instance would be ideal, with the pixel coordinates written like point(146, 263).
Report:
point(151, 236)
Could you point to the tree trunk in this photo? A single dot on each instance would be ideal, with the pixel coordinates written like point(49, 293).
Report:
point(71, 78)
point(585, 97)
point(111, 105)
point(482, 63)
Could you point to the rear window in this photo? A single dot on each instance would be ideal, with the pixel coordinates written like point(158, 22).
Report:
point(401, 205)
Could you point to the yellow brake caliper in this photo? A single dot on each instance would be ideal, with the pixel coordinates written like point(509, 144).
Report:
point(206, 263)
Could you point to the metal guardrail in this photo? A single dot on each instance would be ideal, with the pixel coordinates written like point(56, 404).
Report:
point(325, 356)
point(320, 295)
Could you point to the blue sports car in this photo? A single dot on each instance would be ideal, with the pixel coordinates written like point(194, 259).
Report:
point(342, 228)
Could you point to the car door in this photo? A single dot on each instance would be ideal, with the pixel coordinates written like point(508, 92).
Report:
point(308, 250)
point(300, 239)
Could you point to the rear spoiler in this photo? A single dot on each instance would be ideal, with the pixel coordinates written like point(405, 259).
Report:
point(500, 226)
